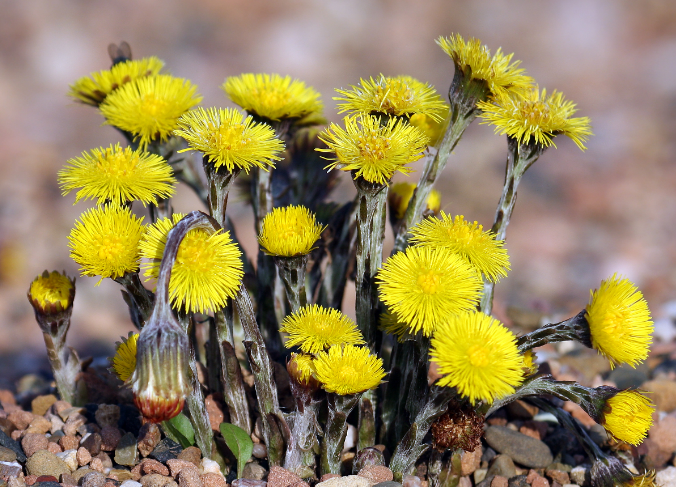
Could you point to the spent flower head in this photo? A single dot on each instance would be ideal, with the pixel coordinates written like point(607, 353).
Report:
point(315, 328)
point(273, 96)
point(371, 150)
point(348, 369)
point(149, 108)
point(401, 96)
point(93, 89)
point(118, 175)
point(534, 117)
point(228, 138)
point(207, 270)
point(425, 287)
point(499, 72)
point(478, 356)
point(619, 322)
point(105, 242)
point(124, 361)
point(400, 195)
point(469, 240)
point(289, 231)
point(627, 416)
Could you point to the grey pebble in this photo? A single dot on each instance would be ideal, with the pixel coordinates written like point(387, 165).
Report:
point(126, 452)
point(13, 445)
point(502, 465)
point(523, 449)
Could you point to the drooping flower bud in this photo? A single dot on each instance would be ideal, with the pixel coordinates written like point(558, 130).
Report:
point(51, 295)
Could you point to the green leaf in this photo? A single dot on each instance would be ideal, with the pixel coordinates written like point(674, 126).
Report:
point(179, 428)
point(240, 444)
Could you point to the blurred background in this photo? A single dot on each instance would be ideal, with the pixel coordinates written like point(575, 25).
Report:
point(580, 216)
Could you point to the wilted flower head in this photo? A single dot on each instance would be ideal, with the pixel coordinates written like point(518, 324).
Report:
point(289, 231)
point(400, 195)
point(124, 361)
point(627, 416)
point(273, 96)
point(149, 108)
point(401, 96)
point(118, 175)
point(228, 138)
point(619, 322)
point(371, 150)
point(348, 369)
point(478, 356)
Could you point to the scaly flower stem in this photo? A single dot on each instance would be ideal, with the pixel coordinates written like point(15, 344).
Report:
point(392, 396)
point(340, 408)
point(300, 452)
point(418, 389)
point(274, 426)
point(519, 159)
point(410, 448)
point(220, 182)
point(65, 366)
point(575, 328)
point(139, 300)
point(292, 272)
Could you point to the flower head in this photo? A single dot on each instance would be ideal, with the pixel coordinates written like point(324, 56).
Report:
point(628, 416)
point(466, 239)
point(289, 231)
point(434, 129)
point(228, 138)
point(478, 356)
point(400, 96)
point(94, 88)
point(373, 151)
point(499, 72)
point(124, 361)
point(52, 291)
point(315, 328)
point(301, 367)
point(426, 287)
point(207, 270)
point(149, 108)
point(273, 96)
point(537, 116)
point(119, 175)
point(348, 370)
point(400, 195)
point(105, 242)
point(619, 322)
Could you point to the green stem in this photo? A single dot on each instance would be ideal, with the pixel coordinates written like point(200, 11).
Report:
point(392, 393)
point(418, 389)
point(292, 273)
point(336, 430)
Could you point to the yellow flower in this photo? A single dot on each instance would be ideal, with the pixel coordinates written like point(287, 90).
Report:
point(530, 367)
point(302, 367)
point(470, 56)
point(426, 287)
point(478, 356)
point(434, 129)
point(228, 138)
point(52, 290)
point(314, 328)
point(628, 416)
point(373, 151)
point(399, 329)
point(400, 195)
point(645, 480)
point(149, 108)
point(94, 88)
point(105, 242)
point(477, 247)
point(289, 231)
point(619, 322)
point(348, 369)
point(401, 96)
point(537, 116)
point(118, 175)
point(207, 270)
point(124, 361)
point(273, 96)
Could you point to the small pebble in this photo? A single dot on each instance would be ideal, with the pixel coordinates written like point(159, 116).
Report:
point(67, 479)
point(176, 466)
point(107, 415)
point(130, 483)
point(260, 451)
point(54, 447)
point(157, 480)
point(280, 477)
point(210, 466)
point(349, 481)
point(499, 481)
point(211, 479)
point(110, 437)
point(92, 443)
point(412, 481)
point(148, 438)
point(189, 477)
point(83, 456)
point(93, 479)
point(376, 473)
point(193, 455)
point(70, 458)
point(21, 419)
point(7, 454)
point(166, 449)
point(69, 443)
point(148, 465)
point(39, 425)
point(96, 464)
point(254, 471)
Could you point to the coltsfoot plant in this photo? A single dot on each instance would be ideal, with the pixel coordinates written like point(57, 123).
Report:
point(429, 302)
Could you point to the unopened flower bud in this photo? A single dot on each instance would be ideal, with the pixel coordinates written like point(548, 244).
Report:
point(51, 295)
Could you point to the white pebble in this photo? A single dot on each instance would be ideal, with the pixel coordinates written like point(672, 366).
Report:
point(130, 483)
point(70, 458)
point(666, 478)
point(210, 466)
point(351, 438)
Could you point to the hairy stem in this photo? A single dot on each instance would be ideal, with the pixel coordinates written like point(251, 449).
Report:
point(336, 430)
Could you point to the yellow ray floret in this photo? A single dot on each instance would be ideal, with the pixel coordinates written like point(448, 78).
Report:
point(619, 322)
point(628, 416)
point(228, 138)
point(400, 96)
point(401, 193)
point(273, 96)
point(426, 287)
point(645, 480)
point(52, 288)
point(348, 369)
point(478, 356)
point(315, 328)
point(149, 108)
point(94, 88)
point(124, 361)
point(119, 175)
point(289, 231)
point(535, 117)
point(105, 242)
point(479, 248)
point(499, 72)
point(371, 150)
point(302, 366)
point(207, 270)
